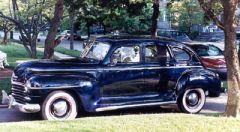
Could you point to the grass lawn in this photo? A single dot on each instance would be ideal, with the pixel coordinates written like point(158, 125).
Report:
point(131, 123)
point(74, 53)
point(5, 84)
point(16, 52)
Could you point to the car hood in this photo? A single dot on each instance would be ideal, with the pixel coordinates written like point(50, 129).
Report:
point(51, 66)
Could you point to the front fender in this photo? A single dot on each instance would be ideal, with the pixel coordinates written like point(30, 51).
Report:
point(203, 78)
point(84, 88)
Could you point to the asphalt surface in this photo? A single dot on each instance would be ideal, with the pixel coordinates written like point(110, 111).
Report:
point(213, 105)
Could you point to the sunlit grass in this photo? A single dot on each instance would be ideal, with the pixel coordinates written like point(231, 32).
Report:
point(131, 123)
point(16, 52)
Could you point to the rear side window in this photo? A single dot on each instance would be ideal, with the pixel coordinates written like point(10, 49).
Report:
point(156, 54)
point(180, 54)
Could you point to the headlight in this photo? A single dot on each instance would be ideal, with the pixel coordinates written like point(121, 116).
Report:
point(30, 84)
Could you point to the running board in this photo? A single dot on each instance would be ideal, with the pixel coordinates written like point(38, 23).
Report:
point(132, 106)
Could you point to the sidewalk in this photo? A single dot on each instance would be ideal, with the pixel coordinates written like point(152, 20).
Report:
point(57, 54)
point(5, 73)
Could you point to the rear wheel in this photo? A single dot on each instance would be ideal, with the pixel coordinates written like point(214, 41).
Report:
point(192, 101)
point(59, 105)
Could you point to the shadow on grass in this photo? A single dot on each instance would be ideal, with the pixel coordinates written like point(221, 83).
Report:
point(16, 116)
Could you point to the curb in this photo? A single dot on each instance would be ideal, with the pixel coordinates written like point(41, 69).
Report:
point(3, 106)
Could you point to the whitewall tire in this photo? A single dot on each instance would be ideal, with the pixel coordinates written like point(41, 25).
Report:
point(192, 101)
point(59, 105)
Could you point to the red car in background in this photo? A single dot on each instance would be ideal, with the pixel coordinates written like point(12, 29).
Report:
point(212, 58)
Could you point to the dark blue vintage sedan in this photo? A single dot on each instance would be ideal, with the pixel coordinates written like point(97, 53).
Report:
point(114, 72)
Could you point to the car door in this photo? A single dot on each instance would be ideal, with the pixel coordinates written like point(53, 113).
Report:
point(158, 63)
point(183, 60)
point(124, 77)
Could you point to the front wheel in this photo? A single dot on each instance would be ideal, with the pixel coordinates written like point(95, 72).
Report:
point(59, 105)
point(192, 101)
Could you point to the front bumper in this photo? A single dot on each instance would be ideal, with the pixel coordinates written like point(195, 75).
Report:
point(25, 108)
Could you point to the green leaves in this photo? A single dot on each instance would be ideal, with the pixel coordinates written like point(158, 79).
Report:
point(185, 14)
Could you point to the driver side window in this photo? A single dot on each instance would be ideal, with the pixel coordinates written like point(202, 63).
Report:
point(126, 54)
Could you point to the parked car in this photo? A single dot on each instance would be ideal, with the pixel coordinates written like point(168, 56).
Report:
point(174, 34)
point(212, 58)
point(65, 33)
point(75, 37)
point(114, 72)
point(97, 31)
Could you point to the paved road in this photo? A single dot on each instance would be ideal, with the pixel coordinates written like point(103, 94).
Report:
point(213, 105)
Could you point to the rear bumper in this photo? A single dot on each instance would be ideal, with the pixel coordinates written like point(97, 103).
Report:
point(25, 108)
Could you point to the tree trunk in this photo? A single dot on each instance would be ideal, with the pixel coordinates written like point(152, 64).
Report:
point(5, 37)
point(34, 49)
point(11, 35)
point(15, 8)
point(104, 28)
point(25, 42)
point(72, 31)
point(231, 56)
point(88, 30)
point(155, 16)
point(49, 42)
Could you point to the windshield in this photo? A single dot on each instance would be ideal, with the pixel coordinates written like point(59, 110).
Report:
point(97, 51)
point(207, 50)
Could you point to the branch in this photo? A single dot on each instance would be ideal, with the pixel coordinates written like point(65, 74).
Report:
point(210, 12)
point(17, 23)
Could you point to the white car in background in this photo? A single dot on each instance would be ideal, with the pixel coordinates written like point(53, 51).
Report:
point(66, 33)
point(3, 60)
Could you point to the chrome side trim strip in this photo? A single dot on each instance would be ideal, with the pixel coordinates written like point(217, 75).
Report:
point(57, 87)
point(131, 106)
point(110, 69)
point(134, 97)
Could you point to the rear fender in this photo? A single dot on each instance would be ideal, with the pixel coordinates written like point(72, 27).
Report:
point(198, 79)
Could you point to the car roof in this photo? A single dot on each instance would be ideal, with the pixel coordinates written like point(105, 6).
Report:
point(115, 39)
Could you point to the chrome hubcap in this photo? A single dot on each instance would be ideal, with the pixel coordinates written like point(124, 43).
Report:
point(192, 99)
point(60, 108)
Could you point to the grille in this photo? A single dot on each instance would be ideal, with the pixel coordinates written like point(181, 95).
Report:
point(18, 91)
